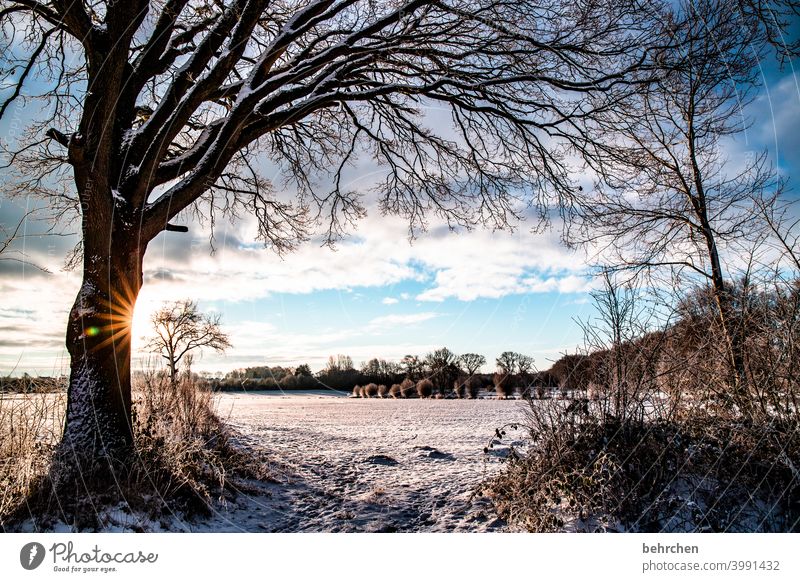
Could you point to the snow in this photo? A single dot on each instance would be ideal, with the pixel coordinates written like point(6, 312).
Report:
point(350, 465)
point(365, 464)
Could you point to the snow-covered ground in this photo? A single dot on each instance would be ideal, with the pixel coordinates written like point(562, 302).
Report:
point(364, 465)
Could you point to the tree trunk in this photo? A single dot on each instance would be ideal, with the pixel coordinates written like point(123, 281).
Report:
point(728, 319)
point(98, 423)
point(173, 368)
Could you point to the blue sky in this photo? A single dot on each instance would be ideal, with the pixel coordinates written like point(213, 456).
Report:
point(378, 295)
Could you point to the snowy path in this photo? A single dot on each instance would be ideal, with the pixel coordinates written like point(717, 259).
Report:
point(366, 465)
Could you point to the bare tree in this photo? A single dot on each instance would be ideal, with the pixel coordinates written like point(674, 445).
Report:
point(471, 362)
point(160, 107)
point(514, 363)
point(442, 364)
point(507, 362)
point(412, 366)
point(180, 328)
point(525, 364)
point(339, 363)
point(7, 238)
point(666, 197)
point(783, 223)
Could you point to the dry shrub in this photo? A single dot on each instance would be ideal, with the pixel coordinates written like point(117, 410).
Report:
point(424, 388)
point(472, 388)
point(383, 391)
point(33, 384)
point(394, 391)
point(356, 391)
point(184, 460)
point(370, 390)
point(672, 436)
point(30, 429)
point(459, 388)
point(694, 366)
point(503, 385)
point(183, 447)
point(585, 471)
point(407, 388)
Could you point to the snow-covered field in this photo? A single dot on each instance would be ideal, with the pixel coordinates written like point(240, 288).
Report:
point(365, 465)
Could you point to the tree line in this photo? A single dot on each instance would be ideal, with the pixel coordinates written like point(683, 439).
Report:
point(447, 372)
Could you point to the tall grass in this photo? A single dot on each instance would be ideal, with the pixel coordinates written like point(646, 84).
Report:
point(183, 462)
point(30, 428)
point(659, 434)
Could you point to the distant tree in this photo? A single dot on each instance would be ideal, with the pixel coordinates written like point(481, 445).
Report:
point(572, 371)
point(339, 363)
point(303, 370)
point(412, 366)
point(339, 373)
point(471, 362)
point(443, 368)
point(181, 328)
point(525, 364)
point(507, 362)
point(378, 368)
point(514, 363)
point(440, 359)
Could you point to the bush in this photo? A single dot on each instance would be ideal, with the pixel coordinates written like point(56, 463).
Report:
point(585, 471)
point(674, 433)
point(383, 391)
point(33, 384)
point(356, 391)
point(407, 388)
point(460, 388)
point(504, 385)
point(394, 391)
point(424, 388)
point(370, 390)
point(473, 387)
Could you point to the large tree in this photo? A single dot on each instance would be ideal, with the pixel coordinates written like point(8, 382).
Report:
point(471, 362)
point(667, 196)
point(154, 108)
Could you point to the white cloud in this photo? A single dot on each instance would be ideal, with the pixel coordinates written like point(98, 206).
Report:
point(465, 266)
point(401, 320)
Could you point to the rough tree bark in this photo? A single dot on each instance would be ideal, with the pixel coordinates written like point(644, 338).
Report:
point(98, 418)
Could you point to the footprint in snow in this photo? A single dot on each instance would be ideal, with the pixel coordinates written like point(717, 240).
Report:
point(381, 460)
point(433, 453)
